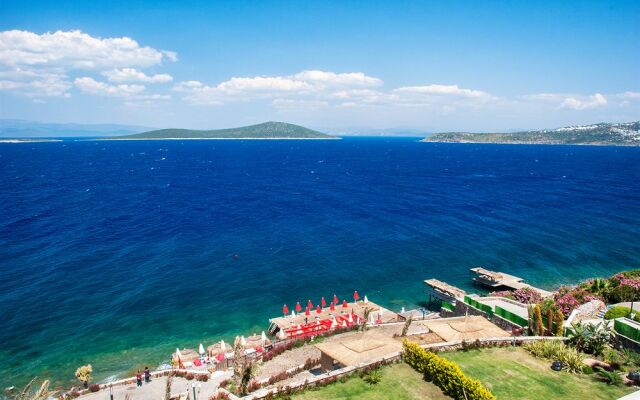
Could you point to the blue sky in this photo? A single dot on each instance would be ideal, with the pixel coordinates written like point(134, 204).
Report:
point(330, 65)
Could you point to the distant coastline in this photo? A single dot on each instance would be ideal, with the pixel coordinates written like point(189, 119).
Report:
point(602, 134)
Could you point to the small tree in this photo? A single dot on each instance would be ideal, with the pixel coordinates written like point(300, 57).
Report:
point(559, 317)
point(549, 321)
point(407, 324)
point(367, 311)
point(539, 325)
point(238, 362)
point(83, 374)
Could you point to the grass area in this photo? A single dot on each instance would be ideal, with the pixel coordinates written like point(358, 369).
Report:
point(399, 382)
point(513, 373)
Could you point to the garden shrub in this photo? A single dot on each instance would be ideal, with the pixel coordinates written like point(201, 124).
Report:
point(445, 374)
point(555, 350)
point(617, 312)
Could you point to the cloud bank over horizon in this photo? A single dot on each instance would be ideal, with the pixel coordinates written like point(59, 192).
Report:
point(120, 74)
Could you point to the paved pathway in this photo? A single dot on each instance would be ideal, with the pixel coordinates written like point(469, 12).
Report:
point(155, 389)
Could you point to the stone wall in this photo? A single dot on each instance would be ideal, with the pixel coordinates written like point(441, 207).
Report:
point(618, 341)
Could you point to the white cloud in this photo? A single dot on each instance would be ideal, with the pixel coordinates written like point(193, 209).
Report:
point(90, 85)
point(316, 77)
point(39, 65)
point(583, 103)
point(133, 75)
point(312, 84)
point(76, 49)
point(443, 90)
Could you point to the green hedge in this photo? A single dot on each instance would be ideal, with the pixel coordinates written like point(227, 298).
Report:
point(624, 329)
point(448, 306)
point(509, 316)
point(480, 306)
point(445, 374)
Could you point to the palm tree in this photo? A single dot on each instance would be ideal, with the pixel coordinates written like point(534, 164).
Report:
point(27, 393)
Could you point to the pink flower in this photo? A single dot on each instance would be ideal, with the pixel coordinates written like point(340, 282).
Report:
point(567, 303)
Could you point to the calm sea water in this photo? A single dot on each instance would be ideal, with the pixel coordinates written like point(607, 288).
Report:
point(115, 253)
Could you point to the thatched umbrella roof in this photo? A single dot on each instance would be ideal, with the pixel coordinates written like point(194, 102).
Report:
point(188, 355)
point(361, 347)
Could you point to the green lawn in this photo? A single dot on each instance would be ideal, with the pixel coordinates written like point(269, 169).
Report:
point(511, 373)
point(399, 382)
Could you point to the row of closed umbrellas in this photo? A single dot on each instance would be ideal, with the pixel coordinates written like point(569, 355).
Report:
point(321, 305)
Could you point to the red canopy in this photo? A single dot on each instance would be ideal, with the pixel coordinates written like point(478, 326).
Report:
point(318, 309)
point(306, 311)
point(344, 304)
point(356, 296)
point(310, 304)
point(332, 307)
point(323, 302)
point(335, 299)
point(285, 309)
point(220, 357)
point(298, 307)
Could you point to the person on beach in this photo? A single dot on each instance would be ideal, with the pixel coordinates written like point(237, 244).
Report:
point(139, 379)
point(147, 375)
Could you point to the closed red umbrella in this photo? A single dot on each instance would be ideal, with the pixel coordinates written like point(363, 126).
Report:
point(285, 309)
point(318, 309)
point(344, 304)
point(323, 302)
point(310, 304)
point(306, 311)
point(356, 296)
point(335, 299)
point(332, 306)
point(298, 307)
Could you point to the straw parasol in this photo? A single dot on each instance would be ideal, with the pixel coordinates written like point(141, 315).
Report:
point(217, 348)
point(186, 354)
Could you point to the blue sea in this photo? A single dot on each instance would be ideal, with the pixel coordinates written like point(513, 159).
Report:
point(115, 253)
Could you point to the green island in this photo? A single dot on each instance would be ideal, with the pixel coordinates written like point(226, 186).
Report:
point(614, 134)
point(266, 130)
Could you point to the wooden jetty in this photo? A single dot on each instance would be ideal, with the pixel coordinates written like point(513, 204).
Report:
point(495, 280)
point(443, 291)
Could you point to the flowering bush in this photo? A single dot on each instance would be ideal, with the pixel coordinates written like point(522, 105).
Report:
point(527, 295)
point(567, 303)
point(633, 282)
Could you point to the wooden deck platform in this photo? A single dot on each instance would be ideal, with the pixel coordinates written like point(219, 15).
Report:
point(377, 312)
point(495, 280)
point(443, 290)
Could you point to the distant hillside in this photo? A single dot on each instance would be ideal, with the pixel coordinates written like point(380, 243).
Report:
point(621, 134)
point(17, 128)
point(267, 130)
